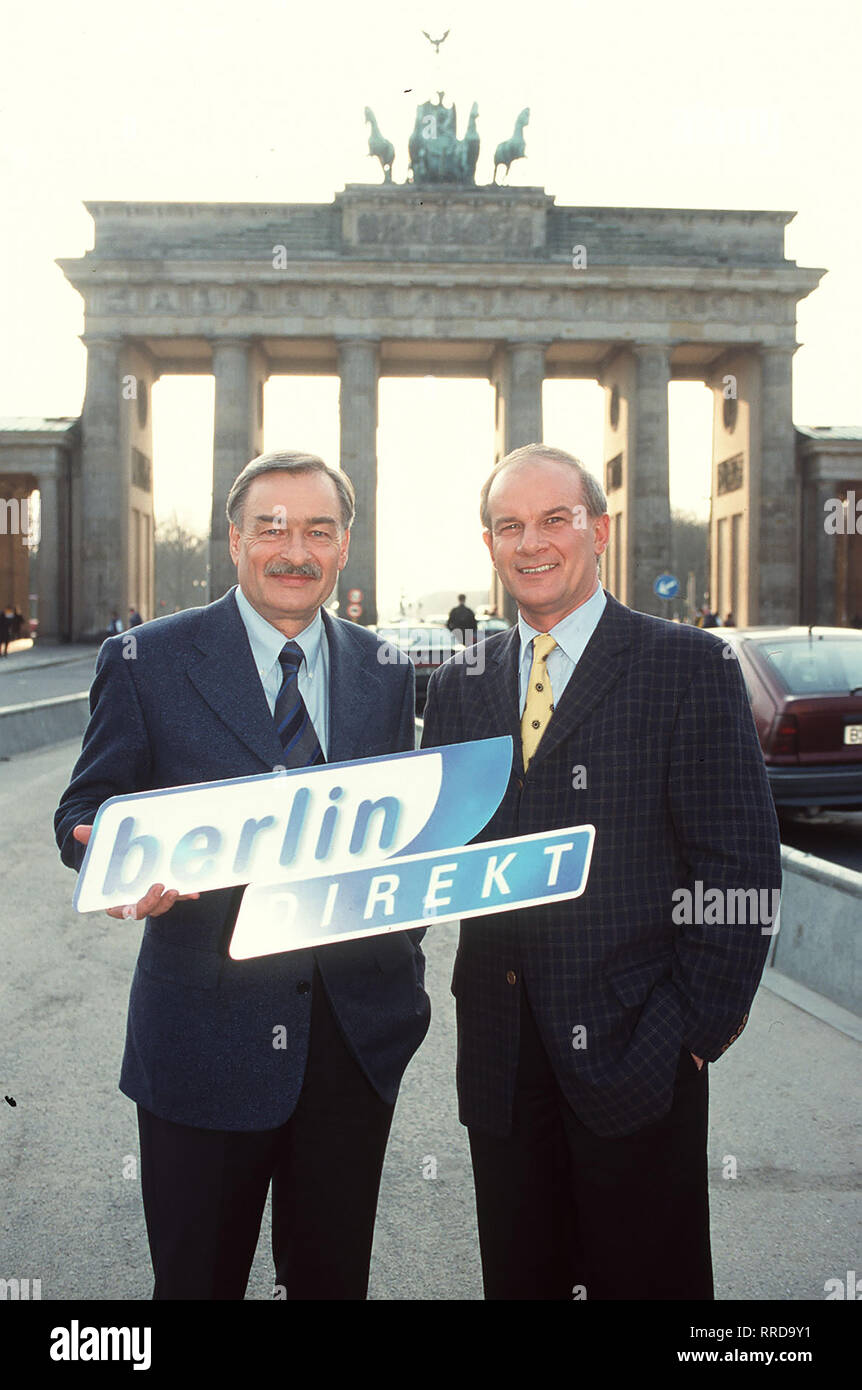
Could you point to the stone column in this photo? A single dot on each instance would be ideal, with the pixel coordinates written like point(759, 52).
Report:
point(524, 397)
point(618, 376)
point(822, 548)
point(19, 565)
point(734, 380)
point(100, 582)
point(358, 368)
point(517, 375)
point(53, 548)
point(649, 480)
point(239, 370)
point(140, 373)
point(778, 535)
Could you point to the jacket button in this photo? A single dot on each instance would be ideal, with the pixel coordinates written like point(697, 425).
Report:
point(303, 987)
point(511, 977)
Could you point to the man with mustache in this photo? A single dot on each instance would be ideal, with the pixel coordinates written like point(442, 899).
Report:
point(585, 1027)
point(282, 1069)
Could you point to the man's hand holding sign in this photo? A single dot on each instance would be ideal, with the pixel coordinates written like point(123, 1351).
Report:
point(156, 901)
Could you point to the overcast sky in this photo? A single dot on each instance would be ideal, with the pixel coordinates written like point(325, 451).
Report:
point(746, 104)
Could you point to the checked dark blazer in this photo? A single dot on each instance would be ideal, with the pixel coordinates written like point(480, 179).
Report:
point(189, 708)
point(658, 718)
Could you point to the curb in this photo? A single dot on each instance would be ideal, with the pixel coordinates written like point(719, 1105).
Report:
point(25, 727)
point(810, 1002)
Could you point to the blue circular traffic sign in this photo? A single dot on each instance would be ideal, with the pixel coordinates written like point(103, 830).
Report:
point(666, 586)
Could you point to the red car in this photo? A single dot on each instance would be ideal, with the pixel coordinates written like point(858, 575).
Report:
point(805, 687)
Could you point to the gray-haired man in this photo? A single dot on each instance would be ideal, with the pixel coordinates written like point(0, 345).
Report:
point(283, 1069)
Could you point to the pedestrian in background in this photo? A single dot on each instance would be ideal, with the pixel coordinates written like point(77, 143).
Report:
point(6, 629)
point(462, 622)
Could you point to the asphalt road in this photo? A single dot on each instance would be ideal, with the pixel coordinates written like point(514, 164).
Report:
point(22, 680)
point(782, 1105)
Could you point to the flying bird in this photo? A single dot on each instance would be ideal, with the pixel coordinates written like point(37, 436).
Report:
point(436, 42)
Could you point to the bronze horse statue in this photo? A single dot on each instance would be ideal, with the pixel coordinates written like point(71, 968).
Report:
point(379, 147)
point(469, 147)
point(512, 149)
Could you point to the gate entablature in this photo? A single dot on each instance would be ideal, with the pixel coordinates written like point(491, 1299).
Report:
point(483, 281)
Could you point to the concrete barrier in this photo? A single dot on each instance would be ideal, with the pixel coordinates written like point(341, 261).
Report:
point(39, 722)
point(817, 942)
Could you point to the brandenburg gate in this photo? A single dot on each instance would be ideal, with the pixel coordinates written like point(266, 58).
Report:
point(446, 279)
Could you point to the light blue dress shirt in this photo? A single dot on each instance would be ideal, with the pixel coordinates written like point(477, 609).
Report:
point(313, 678)
point(571, 636)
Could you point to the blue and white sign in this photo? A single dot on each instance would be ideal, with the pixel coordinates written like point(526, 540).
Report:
point(666, 586)
point(335, 852)
point(496, 876)
point(296, 824)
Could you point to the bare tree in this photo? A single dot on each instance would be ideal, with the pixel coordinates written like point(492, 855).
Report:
point(689, 537)
point(181, 566)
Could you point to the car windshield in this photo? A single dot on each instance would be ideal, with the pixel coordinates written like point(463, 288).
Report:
point(409, 638)
point(815, 665)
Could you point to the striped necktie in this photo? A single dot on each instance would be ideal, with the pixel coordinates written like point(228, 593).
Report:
point(539, 705)
point(293, 725)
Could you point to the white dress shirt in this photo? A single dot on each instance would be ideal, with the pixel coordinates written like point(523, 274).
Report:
point(313, 676)
point(571, 636)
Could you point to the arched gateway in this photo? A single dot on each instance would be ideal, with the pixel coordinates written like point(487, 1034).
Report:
point(455, 281)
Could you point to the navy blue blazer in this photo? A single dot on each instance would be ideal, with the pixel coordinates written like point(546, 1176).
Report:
point(191, 708)
point(658, 719)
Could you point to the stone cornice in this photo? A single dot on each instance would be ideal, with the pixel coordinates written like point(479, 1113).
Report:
point(401, 192)
point(790, 280)
point(429, 310)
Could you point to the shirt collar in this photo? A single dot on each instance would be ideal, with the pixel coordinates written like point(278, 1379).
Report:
point(266, 641)
point(573, 632)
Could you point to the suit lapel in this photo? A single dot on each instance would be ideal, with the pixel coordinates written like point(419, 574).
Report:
point(225, 675)
point(498, 692)
point(603, 662)
point(355, 689)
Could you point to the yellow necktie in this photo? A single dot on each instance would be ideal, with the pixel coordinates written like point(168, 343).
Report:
point(539, 706)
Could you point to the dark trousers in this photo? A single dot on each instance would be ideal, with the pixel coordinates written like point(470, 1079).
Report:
point(204, 1190)
point(564, 1213)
